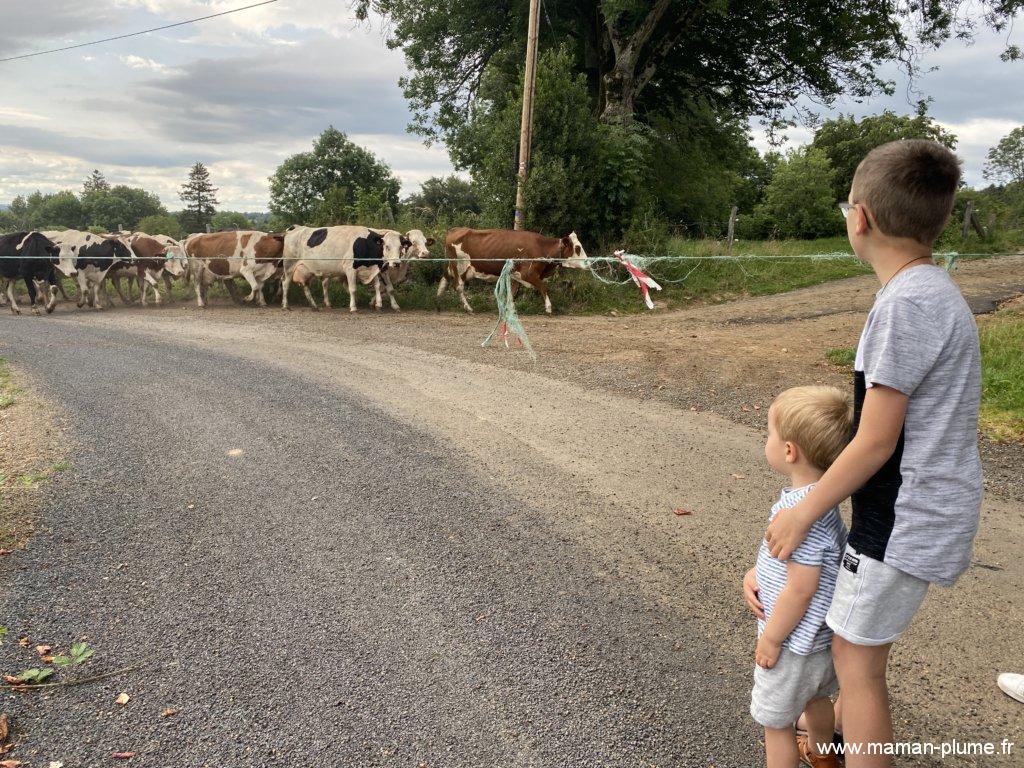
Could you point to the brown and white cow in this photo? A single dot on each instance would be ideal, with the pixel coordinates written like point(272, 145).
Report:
point(415, 245)
point(482, 253)
point(349, 252)
point(223, 256)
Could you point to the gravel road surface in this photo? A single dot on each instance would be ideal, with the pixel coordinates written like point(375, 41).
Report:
point(365, 540)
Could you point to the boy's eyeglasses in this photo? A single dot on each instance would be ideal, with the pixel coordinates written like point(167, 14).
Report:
point(845, 209)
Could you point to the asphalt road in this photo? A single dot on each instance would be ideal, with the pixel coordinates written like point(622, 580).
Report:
point(349, 590)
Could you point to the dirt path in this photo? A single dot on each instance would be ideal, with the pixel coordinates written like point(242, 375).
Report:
point(591, 449)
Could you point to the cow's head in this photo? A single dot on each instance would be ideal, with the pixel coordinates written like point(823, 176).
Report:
point(119, 251)
point(416, 245)
point(573, 255)
point(392, 248)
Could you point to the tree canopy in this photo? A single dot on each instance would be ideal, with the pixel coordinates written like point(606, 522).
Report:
point(328, 184)
point(755, 57)
point(1006, 160)
point(200, 199)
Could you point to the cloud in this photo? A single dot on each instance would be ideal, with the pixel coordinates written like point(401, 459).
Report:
point(140, 62)
point(43, 24)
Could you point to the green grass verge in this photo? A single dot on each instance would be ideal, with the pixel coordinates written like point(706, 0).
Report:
point(1002, 374)
point(7, 388)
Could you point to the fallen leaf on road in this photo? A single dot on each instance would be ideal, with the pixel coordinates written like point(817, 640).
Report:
point(123, 755)
point(235, 452)
point(481, 617)
point(746, 408)
point(13, 680)
point(123, 699)
point(24, 642)
point(55, 764)
point(680, 511)
point(191, 506)
point(4, 730)
point(738, 476)
point(5, 552)
point(44, 650)
point(10, 763)
point(169, 712)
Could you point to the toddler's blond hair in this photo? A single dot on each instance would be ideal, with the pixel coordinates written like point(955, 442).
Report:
point(818, 419)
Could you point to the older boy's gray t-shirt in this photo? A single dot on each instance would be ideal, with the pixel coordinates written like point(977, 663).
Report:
point(920, 511)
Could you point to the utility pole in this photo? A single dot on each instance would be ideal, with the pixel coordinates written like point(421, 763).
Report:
point(526, 125)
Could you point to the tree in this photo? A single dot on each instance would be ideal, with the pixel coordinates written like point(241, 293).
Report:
point(60, 210)
point(120, 206)
point(96, 182)
point(230, 220)
point(845, 140)
point(200, 199)
point(161, 224)
point(799, 201)
point(755, 57)
point(441, 196)
point(323, 186)
point(1006, 159)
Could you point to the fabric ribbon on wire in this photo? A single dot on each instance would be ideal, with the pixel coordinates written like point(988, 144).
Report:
point(508, 324)
point(645, 281)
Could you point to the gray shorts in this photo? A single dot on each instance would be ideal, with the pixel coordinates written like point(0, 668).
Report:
point(781, 693)
point(874, 603)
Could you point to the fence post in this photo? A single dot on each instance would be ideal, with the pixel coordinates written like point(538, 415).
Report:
point(968, 215)
point(732, 227)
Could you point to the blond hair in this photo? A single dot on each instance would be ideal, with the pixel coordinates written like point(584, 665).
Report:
point(818, 419)
point(909, 187)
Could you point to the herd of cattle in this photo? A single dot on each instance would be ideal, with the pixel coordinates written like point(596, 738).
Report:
point(351, 254)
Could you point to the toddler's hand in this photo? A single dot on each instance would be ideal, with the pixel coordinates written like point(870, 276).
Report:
point(751, 593)
point(767, 653)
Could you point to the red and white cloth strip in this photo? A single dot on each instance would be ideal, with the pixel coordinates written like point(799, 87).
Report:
point(645, 281)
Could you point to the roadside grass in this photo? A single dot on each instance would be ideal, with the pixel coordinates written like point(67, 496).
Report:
point(1002, 373)
point(7, 388)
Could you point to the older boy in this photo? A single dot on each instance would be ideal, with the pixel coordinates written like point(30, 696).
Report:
point(808, 427)
point(912, 467)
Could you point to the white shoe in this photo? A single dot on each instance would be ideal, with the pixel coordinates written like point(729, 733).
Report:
point(1012, 685)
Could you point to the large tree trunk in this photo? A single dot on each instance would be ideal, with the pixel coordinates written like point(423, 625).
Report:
point(619, 91)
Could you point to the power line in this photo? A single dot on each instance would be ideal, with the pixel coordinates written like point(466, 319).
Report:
point(136, 34)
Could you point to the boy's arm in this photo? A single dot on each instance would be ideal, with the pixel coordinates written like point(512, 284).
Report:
point(790, 607)
point(881, 423)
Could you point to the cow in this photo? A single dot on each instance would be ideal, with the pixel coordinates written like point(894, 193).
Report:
point(255, 256)
point(482, 253)
point(354, 253)
point(415, 245)
point(32, 257)
point(154, 259)
point(93, 258)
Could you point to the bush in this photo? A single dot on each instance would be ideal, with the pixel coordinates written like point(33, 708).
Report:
point(163, 224)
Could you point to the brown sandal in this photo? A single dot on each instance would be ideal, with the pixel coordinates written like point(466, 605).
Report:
point(813, 759)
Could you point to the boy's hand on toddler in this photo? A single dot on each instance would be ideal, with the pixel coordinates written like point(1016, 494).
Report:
point(767, 652)
point(787, 532)
point(751, 593)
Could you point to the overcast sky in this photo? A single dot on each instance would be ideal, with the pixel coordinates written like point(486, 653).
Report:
point(242, 92)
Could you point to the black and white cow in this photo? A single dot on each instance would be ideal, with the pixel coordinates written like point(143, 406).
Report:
point(94, 263)
point(415, 245)
point(352, 253)
point(32, 257)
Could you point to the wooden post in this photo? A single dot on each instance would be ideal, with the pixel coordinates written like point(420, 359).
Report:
point(526, 122)
point(732, 227)
point(968, 214)
point(976, 223)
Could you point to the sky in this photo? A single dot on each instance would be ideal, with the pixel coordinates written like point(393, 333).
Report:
point(242, 92)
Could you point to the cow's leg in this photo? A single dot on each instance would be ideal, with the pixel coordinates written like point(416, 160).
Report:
point(51, 291)
point(229, 283)
point(170, 288)
point(4, 282)
point(286, 281)
point(325, 284)
point(460, 287)
point(83, 288)
point(350, 276)
point(116, 279)
point(390, 288)
point(309, 296)
point(10, 297)
point(378, 302)
point(30, 284)
point(200, 300)
point(250, 278)
point(541, 287)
